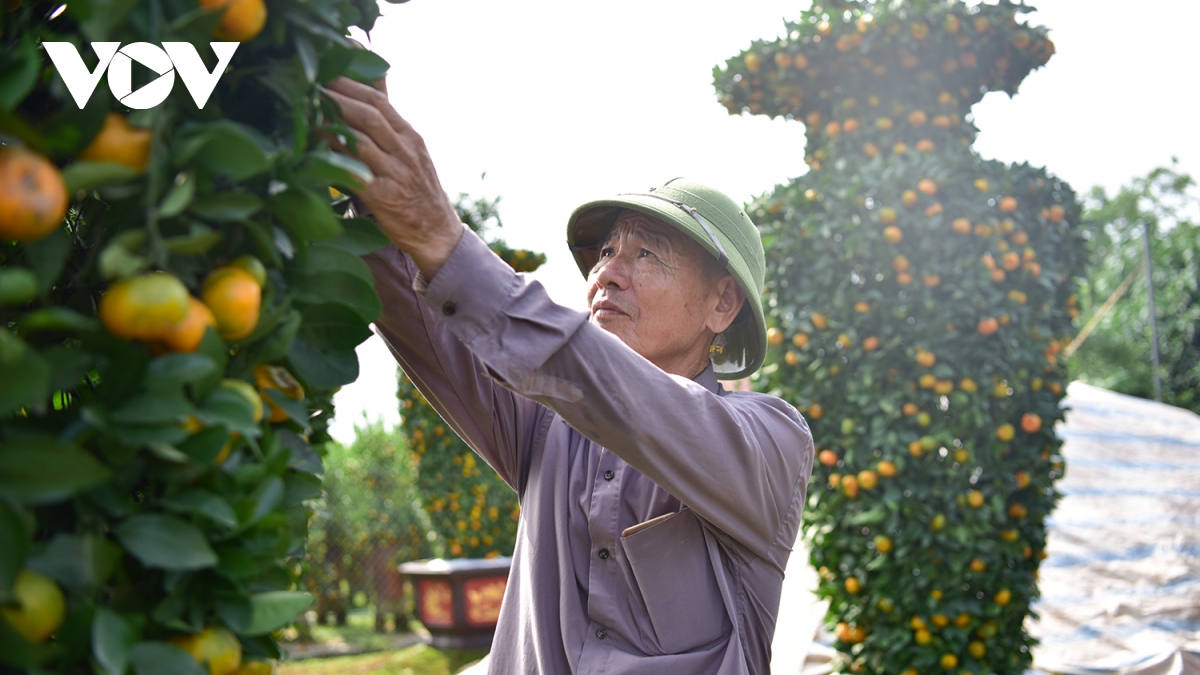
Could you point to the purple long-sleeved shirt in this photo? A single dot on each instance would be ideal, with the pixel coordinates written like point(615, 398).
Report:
point(596, 440)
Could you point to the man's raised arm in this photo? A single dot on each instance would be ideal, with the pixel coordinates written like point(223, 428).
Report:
point(407, 202)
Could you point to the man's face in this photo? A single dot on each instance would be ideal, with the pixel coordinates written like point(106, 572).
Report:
point(650, 290)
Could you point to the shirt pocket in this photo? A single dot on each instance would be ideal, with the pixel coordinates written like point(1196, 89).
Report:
point(671, 565)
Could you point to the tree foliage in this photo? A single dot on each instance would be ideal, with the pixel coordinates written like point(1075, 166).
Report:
point(371, 510)
point(918, 297)
point(1117, 354)
point(370, 489)
point(162, 487)
point(474, 512)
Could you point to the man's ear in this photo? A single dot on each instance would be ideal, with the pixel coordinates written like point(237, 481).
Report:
point(730, 299)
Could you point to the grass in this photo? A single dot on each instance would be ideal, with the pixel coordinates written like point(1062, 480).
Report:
point(389, 653)
point(358, 635)
point(415, 660)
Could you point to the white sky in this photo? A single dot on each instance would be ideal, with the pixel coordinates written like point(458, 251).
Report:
point(560, 102)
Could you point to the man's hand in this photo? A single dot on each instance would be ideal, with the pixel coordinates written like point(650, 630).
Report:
point(406, 196)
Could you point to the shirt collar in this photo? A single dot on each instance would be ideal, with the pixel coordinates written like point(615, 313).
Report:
point(708, 379)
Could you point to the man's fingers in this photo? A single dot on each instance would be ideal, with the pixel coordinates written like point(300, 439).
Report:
point(376, 97)
point(378, 161)
point(369, 120)
point(403, 144)
point(349, 87)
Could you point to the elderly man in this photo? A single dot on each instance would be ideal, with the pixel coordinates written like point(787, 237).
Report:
point(657, 509)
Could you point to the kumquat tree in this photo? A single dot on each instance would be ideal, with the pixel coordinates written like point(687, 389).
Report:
point(180, 296)
point(473, 512)
point(919, 296)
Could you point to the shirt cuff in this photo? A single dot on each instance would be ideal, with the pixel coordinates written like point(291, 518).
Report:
point(471, 288)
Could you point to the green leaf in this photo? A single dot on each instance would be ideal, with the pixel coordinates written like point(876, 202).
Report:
point(335, 60)
point(307, 56)
point(329, 258)
point(175, 370)
point(341, 288)
point(47, 256)
point(141, 436)
point(226, 206)
point(295, 409)
point(178, 197)
point(166, 542)
point(167, 452)
point(332, 326)
point(70, 129)
point(263, 612)
point(116, 262)
point(303, 457)
point(360, 236)
point(265, 499)
point(276, 345)
point(286, 80)
point(226, 149)
point(280, 244)
point(113, 637)
point(160, 407)
point(156, 658)
point(26, 381)
point(41, 470)
point(57, 319)
point(17, 286)
point(69, 365)
point(299, 487)
point(16, 650)
point(239, 564)
point(15, 125)
point(168, 612)
point(202, 503)
point(197, 241)
point(205, 445)
point(122, 248)
point(300, 129)
point(81, 562)
point(99, 17)
point(367, 67)
point(16, 531)
point(212, 346)
point(230, 409)
point(325, 167)
point(18, 73)
point(871, 516)
point(84, 175)
point(200, 21)
point(305, 215)
point(322, 368)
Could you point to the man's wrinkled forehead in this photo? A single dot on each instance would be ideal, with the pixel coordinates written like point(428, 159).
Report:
point(646, 227)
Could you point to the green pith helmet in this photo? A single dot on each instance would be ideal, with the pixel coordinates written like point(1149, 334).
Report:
point(716, 223)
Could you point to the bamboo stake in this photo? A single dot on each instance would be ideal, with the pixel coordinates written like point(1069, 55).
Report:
point(1104, 309)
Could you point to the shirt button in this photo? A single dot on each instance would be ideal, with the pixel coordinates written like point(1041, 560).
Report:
point(608, 475)
point(449, 309)
point(603, 554)
point(601, 633)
